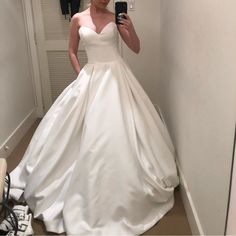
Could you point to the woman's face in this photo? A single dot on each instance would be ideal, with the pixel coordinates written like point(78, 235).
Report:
point(100, 3)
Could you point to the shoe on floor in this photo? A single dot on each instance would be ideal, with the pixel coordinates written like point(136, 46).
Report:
point(24, 227)
point(8, 223)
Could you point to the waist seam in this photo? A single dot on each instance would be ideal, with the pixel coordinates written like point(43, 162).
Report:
point(105, 62)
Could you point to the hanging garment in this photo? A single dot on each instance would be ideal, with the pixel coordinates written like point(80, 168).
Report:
point(70, 7)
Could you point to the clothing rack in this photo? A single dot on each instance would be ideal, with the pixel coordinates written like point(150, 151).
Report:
point(70, 7)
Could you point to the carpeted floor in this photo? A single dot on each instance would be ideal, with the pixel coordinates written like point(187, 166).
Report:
point(173, 223)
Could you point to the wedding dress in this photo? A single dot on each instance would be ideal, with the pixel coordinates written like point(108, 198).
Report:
point(101, 161)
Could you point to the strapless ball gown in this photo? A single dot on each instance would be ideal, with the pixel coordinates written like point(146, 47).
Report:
point(101, 161)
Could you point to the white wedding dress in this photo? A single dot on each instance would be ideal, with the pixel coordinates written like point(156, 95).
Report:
point(101, 161)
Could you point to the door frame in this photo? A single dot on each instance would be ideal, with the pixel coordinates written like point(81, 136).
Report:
point(33, 54)
point(39, 38)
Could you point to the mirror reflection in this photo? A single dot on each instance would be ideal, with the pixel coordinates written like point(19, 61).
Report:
point(119, 119)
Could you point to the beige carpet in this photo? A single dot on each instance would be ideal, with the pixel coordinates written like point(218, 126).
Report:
point(173, 223)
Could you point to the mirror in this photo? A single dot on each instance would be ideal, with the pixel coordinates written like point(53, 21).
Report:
point(186, 66)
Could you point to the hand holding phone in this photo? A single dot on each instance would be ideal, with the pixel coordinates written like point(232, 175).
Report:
point(120, 7)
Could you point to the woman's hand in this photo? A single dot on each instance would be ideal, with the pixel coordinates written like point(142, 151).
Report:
point(128, 34)
point(125, 22)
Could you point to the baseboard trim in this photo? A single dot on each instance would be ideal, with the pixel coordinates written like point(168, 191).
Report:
point(189, 206)
point(15, 137)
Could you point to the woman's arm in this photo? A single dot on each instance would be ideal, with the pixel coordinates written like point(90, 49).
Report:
point(128, 34)
point(74, 43)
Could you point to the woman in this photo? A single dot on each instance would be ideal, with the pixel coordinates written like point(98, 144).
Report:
point(101, 161)
point(97, 18)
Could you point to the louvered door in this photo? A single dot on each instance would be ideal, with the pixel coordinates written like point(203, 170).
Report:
point(52, 31)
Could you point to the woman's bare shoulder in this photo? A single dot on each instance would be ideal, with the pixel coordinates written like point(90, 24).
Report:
point(111, 15)
point(80, 17)
point(75, 18)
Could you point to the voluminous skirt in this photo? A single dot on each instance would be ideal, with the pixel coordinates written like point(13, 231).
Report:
point(101, 161)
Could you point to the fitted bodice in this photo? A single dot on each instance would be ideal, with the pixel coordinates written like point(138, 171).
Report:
point(100, 47)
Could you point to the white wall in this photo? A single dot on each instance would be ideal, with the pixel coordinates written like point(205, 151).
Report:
point(198, 96)
point(16, 88)
point(145, 65)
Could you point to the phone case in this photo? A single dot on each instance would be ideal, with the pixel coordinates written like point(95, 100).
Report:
point(120, 7)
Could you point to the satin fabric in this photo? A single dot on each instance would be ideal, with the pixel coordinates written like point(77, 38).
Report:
point(101, 161)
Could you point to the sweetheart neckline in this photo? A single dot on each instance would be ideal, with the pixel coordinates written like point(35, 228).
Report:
point(84, 26)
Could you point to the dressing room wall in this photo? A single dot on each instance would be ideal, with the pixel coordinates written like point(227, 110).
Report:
point(16, 88)
point(146, 66)
point(198, 95)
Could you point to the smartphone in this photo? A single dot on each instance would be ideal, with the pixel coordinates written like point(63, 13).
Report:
point(120, 7)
